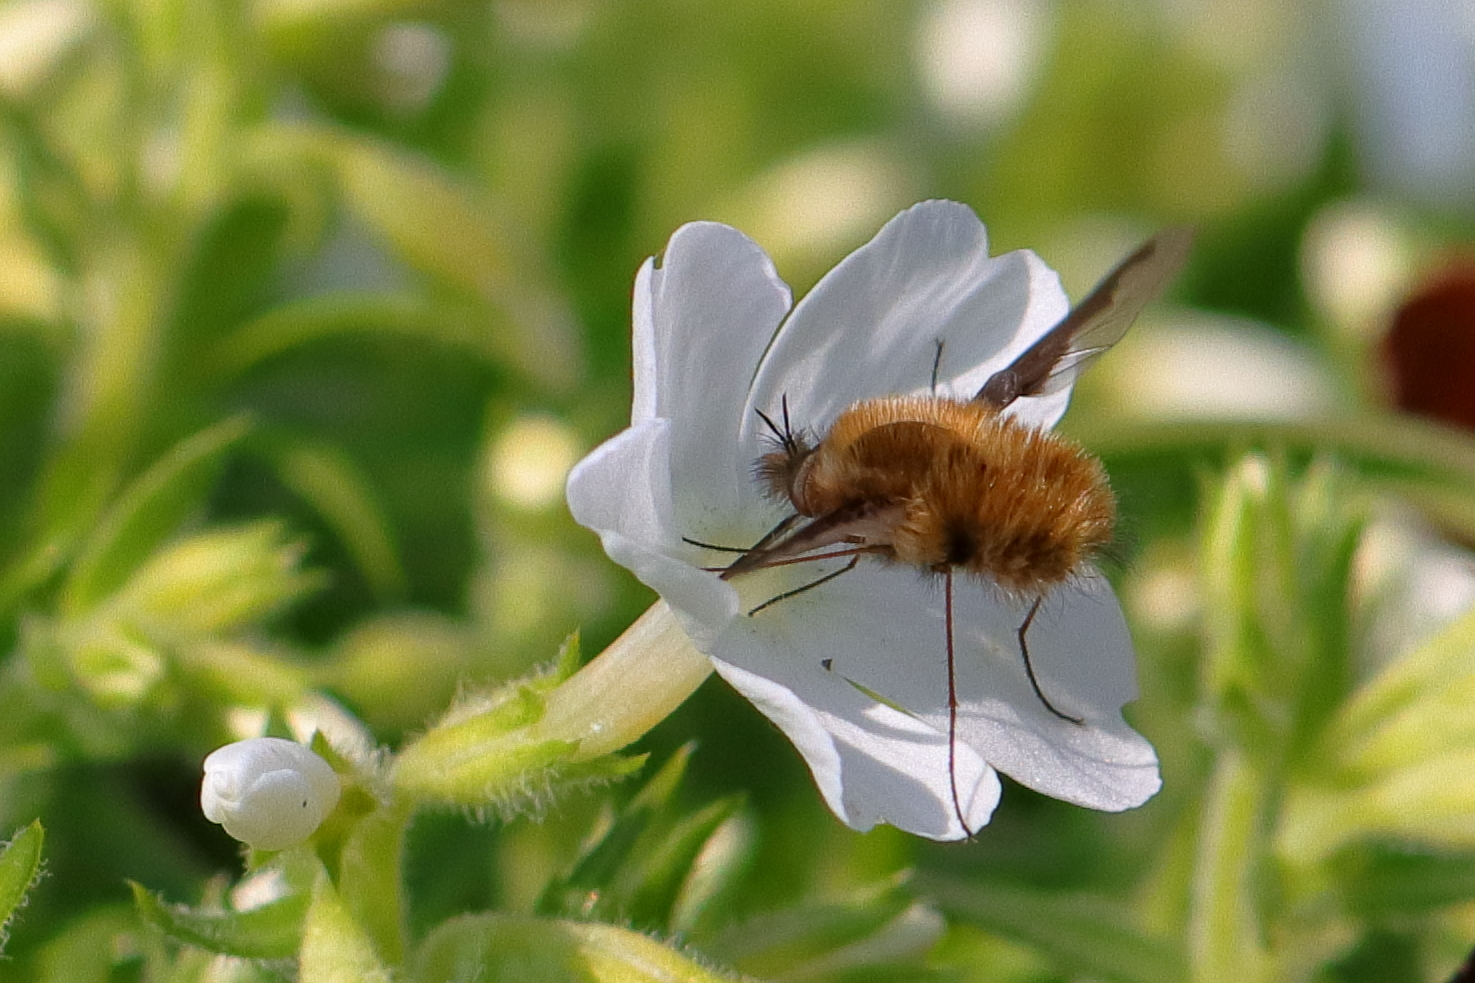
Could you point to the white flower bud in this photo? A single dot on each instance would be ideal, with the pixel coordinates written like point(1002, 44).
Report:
point(267, 792)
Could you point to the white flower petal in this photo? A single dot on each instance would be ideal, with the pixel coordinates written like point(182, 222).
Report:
point(622, 491)
point(702, 320)
point(883, 628)
point(872, 763)
point(1083, 657)
point(267, 792)
point(1048, 304)
point(871, 326)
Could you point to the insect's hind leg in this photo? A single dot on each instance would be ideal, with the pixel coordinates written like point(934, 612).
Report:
point(1029, 668)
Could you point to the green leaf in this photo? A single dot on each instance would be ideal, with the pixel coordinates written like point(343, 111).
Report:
point(811, 932)
point(271, 931)
point(515, 748)
point(570, 657)
point(301, 322)
point(218, 580)
point(637, 871)
point(1396, 878)
point(1087, 936)
point(95, 948)
point(1276, 565)
point(652, 885)
point(149, 510)
point(341, 493)
point(54, 211)
point(716, 876)
point(1225, 937)
point(112, 371)
point(20, 863)
point(1429, 462)
point(335, 946)
point(497, 948)
point(1416, 706)
point(76, 486)
point(435, 222)
point(1430, 801)
point(1246, 577)
point(1328, 521)
point(369, 878)
point(596, 868)
point(448, 230)
point(879, 934)
point(459, 766)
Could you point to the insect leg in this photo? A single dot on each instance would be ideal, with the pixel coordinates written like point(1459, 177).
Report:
point(768, 537)
point(716, 549)
point(952, 708)
point(854, 559)
point(1029, 668)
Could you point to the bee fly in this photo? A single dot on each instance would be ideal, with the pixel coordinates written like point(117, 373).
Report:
point(947, 485)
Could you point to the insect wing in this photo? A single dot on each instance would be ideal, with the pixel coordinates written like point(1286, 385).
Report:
point(1093, 325)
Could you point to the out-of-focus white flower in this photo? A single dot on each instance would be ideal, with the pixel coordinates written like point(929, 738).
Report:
point(1358, 262)
point(530, 461)
point(855, 671)
point(978, 58)
point(413, 60)
point(35, 37)
point(1411, 582)
point(267, 792)
point(1202, 367)
point(1413, 71)
point(808, 206)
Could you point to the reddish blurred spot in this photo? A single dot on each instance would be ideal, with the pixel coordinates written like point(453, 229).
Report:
point(1430, 350)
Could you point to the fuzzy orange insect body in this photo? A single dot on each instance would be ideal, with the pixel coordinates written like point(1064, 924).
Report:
point(942, 484)
point(951, 484)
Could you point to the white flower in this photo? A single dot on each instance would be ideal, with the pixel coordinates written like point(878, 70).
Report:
point(854, 671)
point(267, 792)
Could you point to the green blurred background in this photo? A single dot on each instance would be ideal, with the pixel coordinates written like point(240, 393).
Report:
point(385, 250)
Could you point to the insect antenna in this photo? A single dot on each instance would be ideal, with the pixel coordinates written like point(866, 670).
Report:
point(936, 365)
point(783, 435)
point(773, 428)
point(1029, 668)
